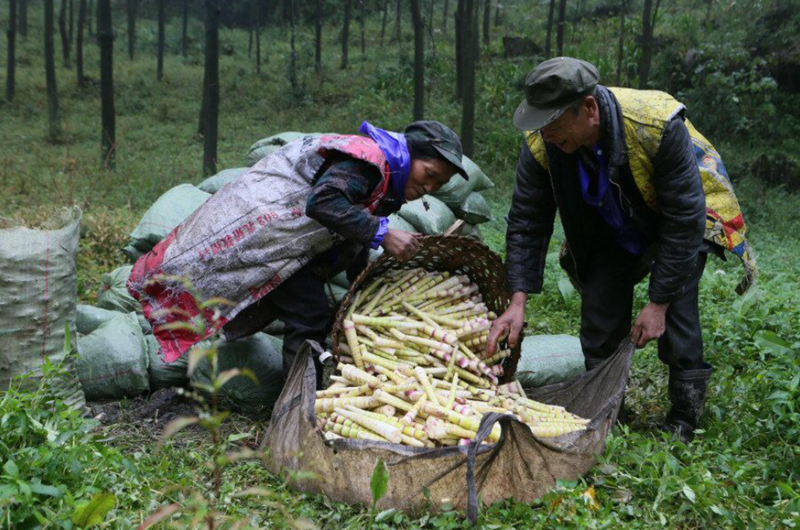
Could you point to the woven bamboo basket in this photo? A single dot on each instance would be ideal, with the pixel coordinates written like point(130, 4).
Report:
point(453, 254)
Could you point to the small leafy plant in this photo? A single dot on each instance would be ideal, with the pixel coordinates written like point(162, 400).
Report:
point(378, 485)
point(200, 509)
point(53, 469)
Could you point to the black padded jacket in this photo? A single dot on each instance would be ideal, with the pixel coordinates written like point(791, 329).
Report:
point(675, 230)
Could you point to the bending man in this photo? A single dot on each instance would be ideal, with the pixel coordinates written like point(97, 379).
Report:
point(638, 190)
point(268, 241)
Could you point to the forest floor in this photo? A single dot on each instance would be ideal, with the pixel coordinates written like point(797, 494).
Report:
point(742, 470)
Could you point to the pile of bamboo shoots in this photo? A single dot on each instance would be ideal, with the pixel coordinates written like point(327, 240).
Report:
point(414, 368)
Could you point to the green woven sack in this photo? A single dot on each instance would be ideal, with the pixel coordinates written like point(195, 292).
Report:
point(113, 360)
point(267, 146)
point(398, 223)
point(89, 318)
point(170, 210)
point(458, 189)
point(276, 341)
point(166, 375)
point(434, 219)
point(477, 178)
point(547, 359)
point(215, 182)
point(472, 231)
point(335, 293)
point(114, 295)
point(37, 302)
point(256, 353)
point(475, 210)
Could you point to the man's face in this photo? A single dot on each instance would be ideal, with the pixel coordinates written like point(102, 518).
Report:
point(427, 176)
point(572, 131)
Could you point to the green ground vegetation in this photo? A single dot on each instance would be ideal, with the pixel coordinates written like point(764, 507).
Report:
point(741, 472)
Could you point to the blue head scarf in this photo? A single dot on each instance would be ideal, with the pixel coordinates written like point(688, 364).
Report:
point(395, 149)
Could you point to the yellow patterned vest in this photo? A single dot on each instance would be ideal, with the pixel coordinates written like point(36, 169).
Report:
point(645, 115)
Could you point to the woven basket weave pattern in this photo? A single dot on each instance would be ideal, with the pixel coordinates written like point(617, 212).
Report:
point(453, 254)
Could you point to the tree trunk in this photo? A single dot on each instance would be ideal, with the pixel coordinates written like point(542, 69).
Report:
point(419, 60)
point(257, 18)
point(79, 43)
point(348, 8)
point(293, 51)
point(12, 49)
point(62, 29)
point(429, 20)
point(562, 19)
point(709, 8)
point(647, 34)
point(91, 17)
point(575, 18)
point(383, 23)
point(250, 37)
point(71, 23)
point(184, 43)
point(468, 109)
point(548, 50)
point(444, 16)
point(211, 88)
point(23, 18)
point(621, 48)
point(362, 16)
point(398, 21)
point(487, 19)
point(459, 22)
point(497, 15)
point(475, 52)
point(133, 6)
point(431, 38)
point(50, 72)
point(267, 12)
point(161, 39)
point(318, 35)
point(105, 32)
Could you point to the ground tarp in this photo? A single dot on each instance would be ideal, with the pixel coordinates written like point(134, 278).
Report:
point(520, 466)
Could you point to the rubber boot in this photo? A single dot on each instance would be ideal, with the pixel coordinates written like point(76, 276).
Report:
point(687, 392)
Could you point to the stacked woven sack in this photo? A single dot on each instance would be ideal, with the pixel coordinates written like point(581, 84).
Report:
point(120, 357)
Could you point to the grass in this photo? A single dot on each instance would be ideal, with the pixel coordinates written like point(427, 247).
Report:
point(741, 472)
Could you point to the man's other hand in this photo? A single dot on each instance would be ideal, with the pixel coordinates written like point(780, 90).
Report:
point(649, 324)
point(509, 324)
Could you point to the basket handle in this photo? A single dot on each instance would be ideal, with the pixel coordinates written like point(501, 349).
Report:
point(456, 228)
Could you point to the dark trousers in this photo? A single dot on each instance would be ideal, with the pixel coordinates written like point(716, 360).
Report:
point(300, 303)
point(607, 305)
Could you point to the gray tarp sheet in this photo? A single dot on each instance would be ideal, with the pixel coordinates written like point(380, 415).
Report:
point(520, 466)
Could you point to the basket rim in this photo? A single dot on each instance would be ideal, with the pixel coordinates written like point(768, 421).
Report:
point(448, 242)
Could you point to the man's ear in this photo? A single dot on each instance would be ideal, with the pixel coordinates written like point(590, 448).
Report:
point(590, 103)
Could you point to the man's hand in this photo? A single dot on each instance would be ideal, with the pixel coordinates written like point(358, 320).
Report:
point(649, 324)
point(509, 324)
point(401, 244)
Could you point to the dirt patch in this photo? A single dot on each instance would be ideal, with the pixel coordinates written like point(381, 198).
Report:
point(143, 418)
point(155, 410)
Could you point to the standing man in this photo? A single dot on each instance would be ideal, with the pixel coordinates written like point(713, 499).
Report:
point(638, 190)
